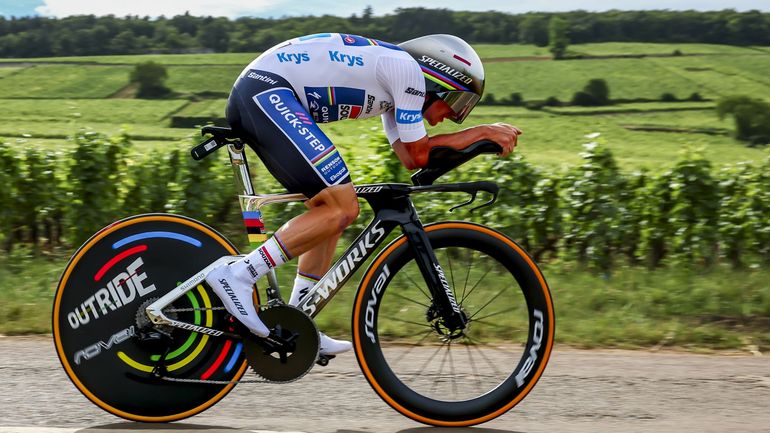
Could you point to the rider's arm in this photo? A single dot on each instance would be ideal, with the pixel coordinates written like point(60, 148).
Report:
point(415, 154)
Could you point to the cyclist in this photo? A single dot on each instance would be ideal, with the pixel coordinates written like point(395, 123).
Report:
point(276, 104)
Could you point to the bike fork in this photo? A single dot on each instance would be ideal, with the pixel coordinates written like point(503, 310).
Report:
point(443, 295)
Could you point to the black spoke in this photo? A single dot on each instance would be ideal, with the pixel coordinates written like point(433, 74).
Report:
point(490, 363)
point(441, 367)
point(407, 321)
point(398, 295)
point(489, 302)
point(416, 285)
point(495, 314)
point(426, 335)
point(417, 374)
point(452, 370)
point(473, 367)
point(495, 325)
point(477, 343)
point(489, 268)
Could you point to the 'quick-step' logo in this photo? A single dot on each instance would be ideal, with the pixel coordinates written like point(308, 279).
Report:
point(408, 116)
point(347, 59)
point(293, 57)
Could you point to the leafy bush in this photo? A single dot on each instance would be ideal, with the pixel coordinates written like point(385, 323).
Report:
point(752, 118)
point(595, 93)
point(668, 97)
point(151, 78)
point(593, 214)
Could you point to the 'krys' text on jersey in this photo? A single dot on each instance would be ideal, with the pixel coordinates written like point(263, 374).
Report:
point(347, 59)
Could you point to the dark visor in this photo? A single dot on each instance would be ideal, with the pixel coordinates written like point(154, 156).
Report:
point(460, 102)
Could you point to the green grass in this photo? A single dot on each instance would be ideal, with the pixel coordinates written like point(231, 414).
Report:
point(139, 111)
point(626, 78)
point(65, 81)
point(635, 48)
point(196, 79)
point(210, 108)
point(720, 309)
point(718, 76)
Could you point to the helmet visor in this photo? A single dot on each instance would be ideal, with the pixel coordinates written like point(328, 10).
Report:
point(461, 103)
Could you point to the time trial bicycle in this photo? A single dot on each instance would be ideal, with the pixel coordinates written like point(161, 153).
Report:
point(452, 325)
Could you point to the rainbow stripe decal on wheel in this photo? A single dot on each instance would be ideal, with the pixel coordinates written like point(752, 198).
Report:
point(149, 235)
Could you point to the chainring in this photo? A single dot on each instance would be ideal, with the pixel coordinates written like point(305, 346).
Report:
point(291, 349)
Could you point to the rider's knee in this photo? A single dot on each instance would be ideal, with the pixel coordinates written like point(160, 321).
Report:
point(343, 201)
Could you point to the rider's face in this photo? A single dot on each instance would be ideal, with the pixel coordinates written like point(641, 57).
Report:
point(437, 112)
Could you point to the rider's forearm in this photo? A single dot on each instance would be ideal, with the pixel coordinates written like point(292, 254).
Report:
point(458, 140)
point(415, 154)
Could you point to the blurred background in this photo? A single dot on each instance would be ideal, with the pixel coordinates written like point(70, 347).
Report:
point(641, 183)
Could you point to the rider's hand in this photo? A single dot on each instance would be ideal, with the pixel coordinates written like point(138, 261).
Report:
point(503, 134)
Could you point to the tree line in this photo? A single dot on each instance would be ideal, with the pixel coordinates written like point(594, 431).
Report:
point(592, 214)
point(91, 35)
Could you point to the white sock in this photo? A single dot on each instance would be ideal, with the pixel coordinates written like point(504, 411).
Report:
point(302, 284)
point(258, 262)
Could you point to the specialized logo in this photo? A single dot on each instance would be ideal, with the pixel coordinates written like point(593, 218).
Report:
point(339, 274)
point(120, 291)
point(379, 283)
point(329, 104)
point(296, 58)
point(408, 116)
point(415, 92)
point(260, 77)
point(367, 189)
point(537, 339)
point(448, 70)
point(97, 348)
point(369, 103)
point(283, 109)
point(231, 295)
point(347, 59)
point(447, 289)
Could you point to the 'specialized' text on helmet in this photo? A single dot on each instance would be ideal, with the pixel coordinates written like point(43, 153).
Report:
point(452, 70)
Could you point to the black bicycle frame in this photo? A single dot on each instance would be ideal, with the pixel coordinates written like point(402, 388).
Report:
point(393, 207)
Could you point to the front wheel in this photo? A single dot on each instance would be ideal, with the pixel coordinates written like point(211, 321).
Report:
point(441, 377)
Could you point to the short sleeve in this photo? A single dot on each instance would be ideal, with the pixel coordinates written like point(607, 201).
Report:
point(403, 79)
point(389, 124)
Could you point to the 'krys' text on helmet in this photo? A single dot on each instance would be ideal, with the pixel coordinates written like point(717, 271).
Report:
point(452, 70)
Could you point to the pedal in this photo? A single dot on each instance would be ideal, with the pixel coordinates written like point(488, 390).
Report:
point(323, 360)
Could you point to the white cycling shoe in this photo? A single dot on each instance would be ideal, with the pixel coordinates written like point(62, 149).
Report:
point(330, 346)
point(236, 295)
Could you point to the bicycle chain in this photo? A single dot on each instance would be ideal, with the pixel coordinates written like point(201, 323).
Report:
point(187, 310)
point(216, 382)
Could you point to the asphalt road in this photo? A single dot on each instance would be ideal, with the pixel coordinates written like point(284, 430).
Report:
point(581, 391)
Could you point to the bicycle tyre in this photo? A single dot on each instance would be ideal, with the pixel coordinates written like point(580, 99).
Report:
point(100, 298)
point(377, 345)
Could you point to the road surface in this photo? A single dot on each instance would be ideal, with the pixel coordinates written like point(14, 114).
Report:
point(581, 391)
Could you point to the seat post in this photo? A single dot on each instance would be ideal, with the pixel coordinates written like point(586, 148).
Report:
point(237, 153)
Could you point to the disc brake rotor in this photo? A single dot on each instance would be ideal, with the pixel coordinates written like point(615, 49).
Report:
point(291, 349)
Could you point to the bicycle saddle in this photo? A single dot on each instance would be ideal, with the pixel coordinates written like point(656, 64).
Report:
point(220, 132)
point(444, 159)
